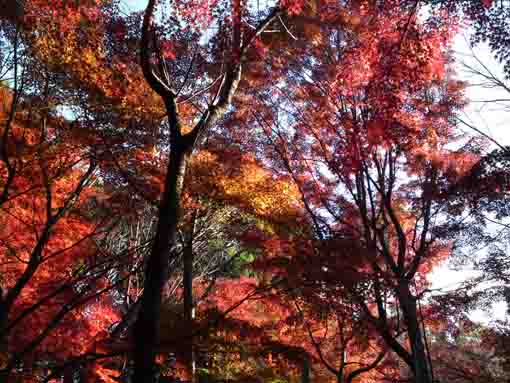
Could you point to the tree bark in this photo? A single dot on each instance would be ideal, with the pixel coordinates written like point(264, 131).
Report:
point(410, 314)
point(12, 10)
point(146, 329)
point(189, 309)
point(69, 374)
point(305, 372)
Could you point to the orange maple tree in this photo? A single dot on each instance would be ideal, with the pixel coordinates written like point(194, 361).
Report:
point(365, 134)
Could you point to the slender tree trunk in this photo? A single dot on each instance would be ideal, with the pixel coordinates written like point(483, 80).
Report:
point(410, 313)
point(147, 326)
point(69, 375)
point(4, 374)
point(3, 320)
point(305, 372)
point(189, 309)
point(12, 10)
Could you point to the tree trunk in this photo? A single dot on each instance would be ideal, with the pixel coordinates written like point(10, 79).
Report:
point(147, 326)
point(189, 309)
point(12, 10)
point(410, 313)
point(3, 321)
point(69, 375)
point(305, 372)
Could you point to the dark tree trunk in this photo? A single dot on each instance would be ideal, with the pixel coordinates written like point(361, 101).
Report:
point(146, 329)
point(12, 9)
point(3, 319)
point(410, 314)
point(69, 375)
point(189, 310)
point(305, 372)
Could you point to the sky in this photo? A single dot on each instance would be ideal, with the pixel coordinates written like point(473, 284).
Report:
point(134, 5)
point(491, 118)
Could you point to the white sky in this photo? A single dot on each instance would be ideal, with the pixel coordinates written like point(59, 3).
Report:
point(491, 118)
point(134, 5)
